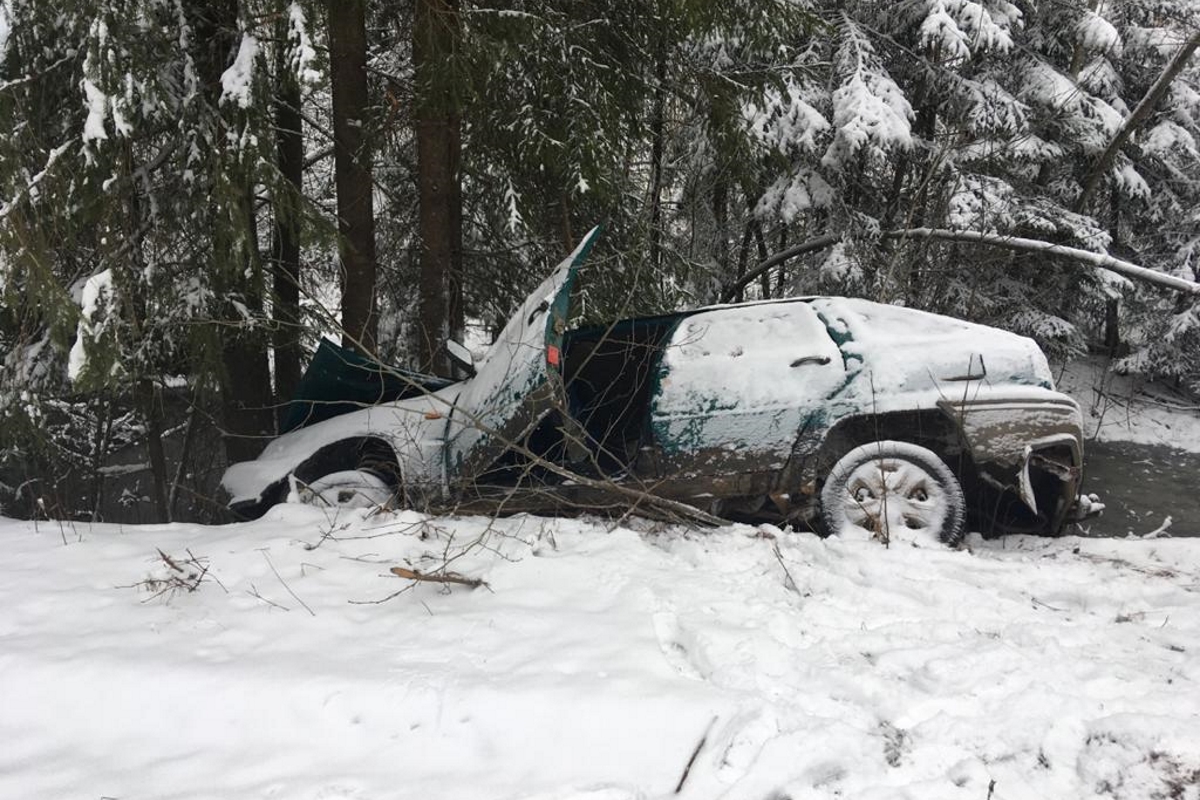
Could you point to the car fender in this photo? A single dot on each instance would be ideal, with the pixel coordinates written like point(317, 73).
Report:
point(414, 428)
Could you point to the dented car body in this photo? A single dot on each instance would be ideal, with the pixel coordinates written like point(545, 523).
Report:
point(742, 410)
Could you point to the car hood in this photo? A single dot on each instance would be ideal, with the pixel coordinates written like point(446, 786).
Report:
point(896, 351)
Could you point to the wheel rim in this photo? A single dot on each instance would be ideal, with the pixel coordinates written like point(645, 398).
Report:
point(884, 495)
point(350, 489)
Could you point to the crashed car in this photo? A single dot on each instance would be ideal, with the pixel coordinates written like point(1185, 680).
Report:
point(827, 412)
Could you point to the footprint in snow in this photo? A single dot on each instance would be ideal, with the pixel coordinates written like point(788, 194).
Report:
point(677, 645)
point(741, 741)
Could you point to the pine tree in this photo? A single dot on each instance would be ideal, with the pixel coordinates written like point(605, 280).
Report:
point(130, 180)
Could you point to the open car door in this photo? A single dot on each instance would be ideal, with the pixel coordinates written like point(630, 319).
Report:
point(513, 389)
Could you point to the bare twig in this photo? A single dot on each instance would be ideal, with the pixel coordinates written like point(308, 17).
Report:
point(253, 592)
point(696, 752)
point(383, 599)
point(1037, 602)
point(285, 585)
point(789, 582)
point(183, 575)
point(327, 533)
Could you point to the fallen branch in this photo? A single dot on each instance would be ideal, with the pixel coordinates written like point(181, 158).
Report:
point(439, 577)
point(1101, 260)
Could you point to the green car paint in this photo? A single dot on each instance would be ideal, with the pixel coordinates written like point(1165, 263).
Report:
point(499, 402)
point(781, 365)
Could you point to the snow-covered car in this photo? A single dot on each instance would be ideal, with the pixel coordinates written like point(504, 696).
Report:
point(825, 411)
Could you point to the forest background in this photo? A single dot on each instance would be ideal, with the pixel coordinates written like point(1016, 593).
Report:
point(193, 192)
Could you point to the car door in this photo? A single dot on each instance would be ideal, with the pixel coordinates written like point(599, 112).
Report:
point(515, 386)
point(737, 384)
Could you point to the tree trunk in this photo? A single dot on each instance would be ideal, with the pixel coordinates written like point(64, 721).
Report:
point(352, 162)
point(781, 278)
point(1112, 325)
point(657, 123)
point(1079, 54)
point(103, 406)
point(246, 397)
point(743, 261)
point(285, 255)
point(135, 309)
point(439, 189)
point(720, 211)
point(568, 235)
point(765, 276)
point(926, 127)
point(185, 454)
point(245, 377)
point(455, 311)
point(1112, 307)
point(149, 402)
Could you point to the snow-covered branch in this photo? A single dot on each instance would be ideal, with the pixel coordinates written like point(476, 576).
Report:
point(1017, 243)
point(32, 187)
point(1101, 260)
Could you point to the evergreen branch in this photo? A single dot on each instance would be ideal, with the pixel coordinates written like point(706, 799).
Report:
point(1135, 120)
point(24, 79)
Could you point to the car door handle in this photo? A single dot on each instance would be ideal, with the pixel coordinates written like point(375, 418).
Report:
point(822, 360)
point(542, 306)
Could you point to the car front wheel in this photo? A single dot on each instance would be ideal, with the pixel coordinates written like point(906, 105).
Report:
point(357, 488)
point(890, 488)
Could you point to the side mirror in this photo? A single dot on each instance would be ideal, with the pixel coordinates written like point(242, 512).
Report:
point(460, 357)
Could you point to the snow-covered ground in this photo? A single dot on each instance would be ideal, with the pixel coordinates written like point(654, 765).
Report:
point(1124, 408)
point(596, 664)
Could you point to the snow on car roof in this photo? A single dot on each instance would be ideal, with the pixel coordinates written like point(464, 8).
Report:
point(905, 350)
point(747, 357)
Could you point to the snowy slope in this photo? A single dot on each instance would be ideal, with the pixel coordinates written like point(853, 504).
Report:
point(1124, 408)
point(593, 664)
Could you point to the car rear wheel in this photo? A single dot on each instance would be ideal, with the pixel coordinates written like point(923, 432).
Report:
point(348, 489)
point(891, 488)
